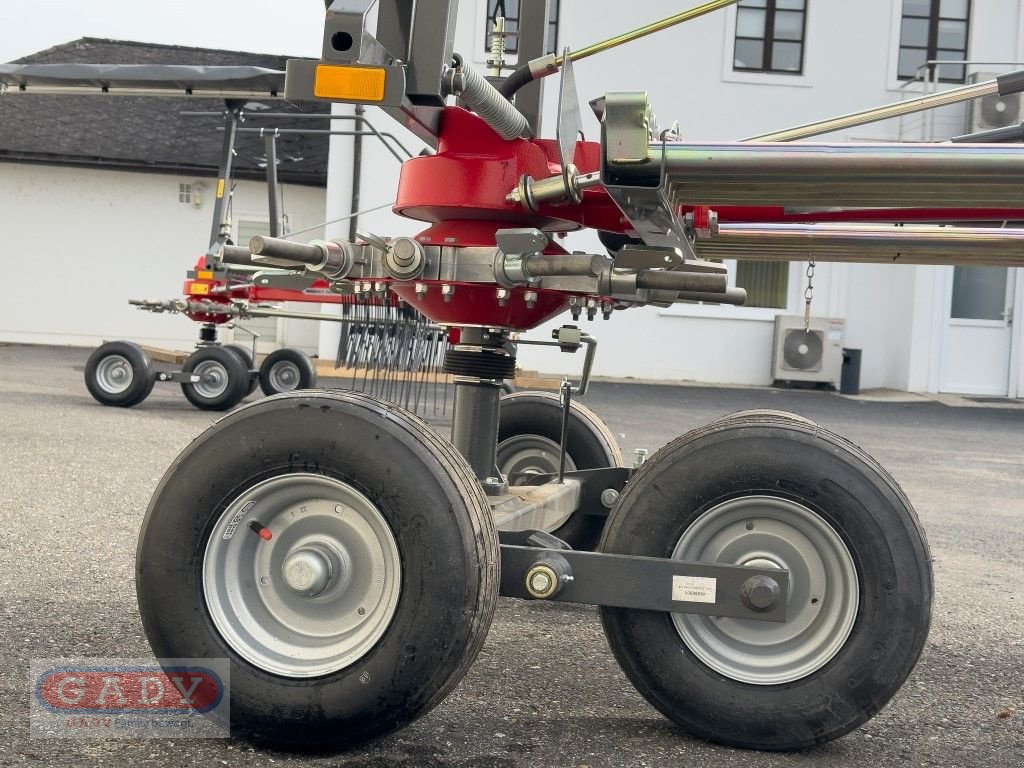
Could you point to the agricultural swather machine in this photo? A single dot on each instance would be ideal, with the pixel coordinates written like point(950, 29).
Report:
point(762, 582)
point(384, 346)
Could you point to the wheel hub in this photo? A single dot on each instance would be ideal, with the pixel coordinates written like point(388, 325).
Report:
point(284, 376)
point(524, 455)
point(213, 378)
point(317, 595)
point(114, 374)
point(769, 533)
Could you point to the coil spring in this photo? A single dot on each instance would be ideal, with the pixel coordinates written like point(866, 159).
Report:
point(484, 99)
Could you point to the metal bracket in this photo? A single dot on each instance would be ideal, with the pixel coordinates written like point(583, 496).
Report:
point(569, 338)
point(645, 583)
point(595, 484)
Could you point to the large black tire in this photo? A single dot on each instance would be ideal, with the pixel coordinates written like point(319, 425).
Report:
point(119, 373)
point(430, 502)
point(286, 370)
point(765, 412)
point(244, 354)
point(224, 379)
point(590, 445)
point(767, 459)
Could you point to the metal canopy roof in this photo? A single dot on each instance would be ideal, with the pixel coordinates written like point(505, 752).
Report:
point(143, 80)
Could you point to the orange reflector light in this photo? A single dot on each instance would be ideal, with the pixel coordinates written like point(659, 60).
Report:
point(204, 274)
point(355, 83)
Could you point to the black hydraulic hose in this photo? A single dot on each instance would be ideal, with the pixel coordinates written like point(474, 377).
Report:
point(520, 77)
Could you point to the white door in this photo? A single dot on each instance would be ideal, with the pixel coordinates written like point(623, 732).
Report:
point(978, 336)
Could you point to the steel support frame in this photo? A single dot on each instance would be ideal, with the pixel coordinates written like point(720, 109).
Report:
point(645, 583)
point(219, 230)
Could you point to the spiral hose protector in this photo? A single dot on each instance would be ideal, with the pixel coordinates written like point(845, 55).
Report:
point(484, 99)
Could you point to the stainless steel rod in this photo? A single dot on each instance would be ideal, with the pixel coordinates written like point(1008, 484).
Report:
point(979, 246)
point(841, 175)
point(649, 29)
point(884, 112)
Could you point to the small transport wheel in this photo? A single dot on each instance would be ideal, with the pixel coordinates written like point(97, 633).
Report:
point(784, 493)
point(345, 562)
point(285, 370)
point(529, 435)
point(244, 354)
point(119, 373)
point(223, 379)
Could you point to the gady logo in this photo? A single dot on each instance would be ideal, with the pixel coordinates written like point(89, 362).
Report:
point(114, 690)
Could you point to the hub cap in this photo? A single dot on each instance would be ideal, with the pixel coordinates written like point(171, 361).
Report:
point(318, 594)
point(114, 374)
point(824, 592)
point(284, 376)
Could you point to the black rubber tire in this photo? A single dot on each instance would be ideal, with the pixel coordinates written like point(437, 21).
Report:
point(765, 412)
point(442, 525)
point(237, 379)
point(783, 457)
point(245, 355)
point(590, 445)
point(143, 374)
point(307, 371)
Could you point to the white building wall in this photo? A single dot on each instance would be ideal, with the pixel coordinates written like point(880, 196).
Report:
point(850, 64)
point(76, 244)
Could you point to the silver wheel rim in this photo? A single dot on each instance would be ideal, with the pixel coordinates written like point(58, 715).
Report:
point(824, 592)
point(320, 593)
point(523, 455)
point(213, 379)
point(284, 376)
point(114, 374)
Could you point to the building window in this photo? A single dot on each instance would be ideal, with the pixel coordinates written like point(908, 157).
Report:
point(770, 36)
point(934, 30)
point(184, 193)
point(509, 9)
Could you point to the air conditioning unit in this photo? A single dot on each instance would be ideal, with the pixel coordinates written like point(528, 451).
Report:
point(993, 111)
point(814, 354)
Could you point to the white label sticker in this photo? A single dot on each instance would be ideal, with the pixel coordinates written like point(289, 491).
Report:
point(693, 589)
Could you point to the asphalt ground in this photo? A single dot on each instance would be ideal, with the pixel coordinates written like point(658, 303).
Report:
point(76, 477)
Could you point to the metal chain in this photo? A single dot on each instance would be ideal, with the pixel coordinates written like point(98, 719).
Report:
point(809, 293)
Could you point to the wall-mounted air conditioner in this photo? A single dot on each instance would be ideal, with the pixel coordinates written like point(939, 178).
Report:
point(815, 354)
point(993, 111)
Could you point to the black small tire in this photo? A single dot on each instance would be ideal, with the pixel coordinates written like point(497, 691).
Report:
point(429, 500)
point(854, 502)
point(286, 370)
point(590, 445)
point(244, 354)
point(224, 380)
point(119, 373)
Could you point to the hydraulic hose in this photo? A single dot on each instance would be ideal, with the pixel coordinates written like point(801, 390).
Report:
point(511, 84)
